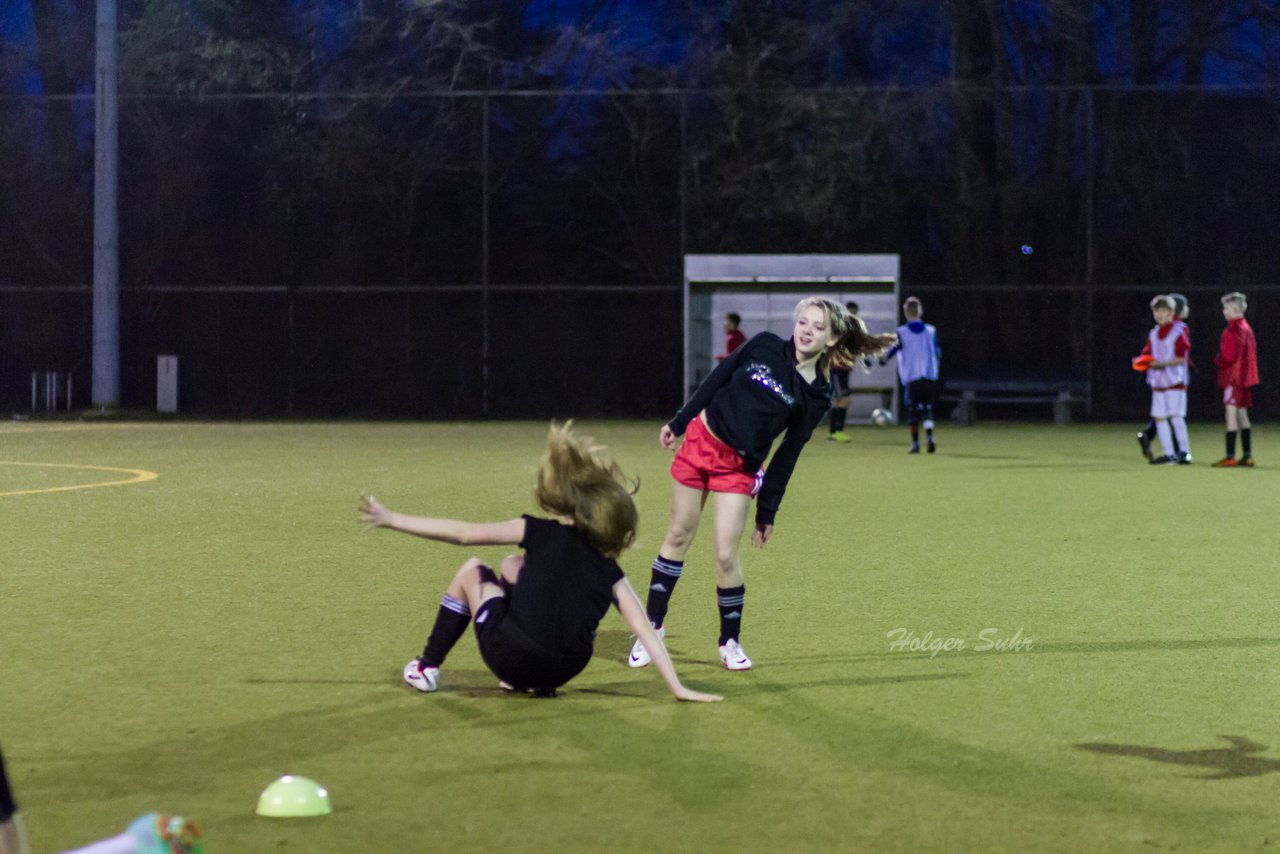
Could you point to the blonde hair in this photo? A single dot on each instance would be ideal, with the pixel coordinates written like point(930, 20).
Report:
point(913, 308)
point(852, 340)
point(577, 479)
point(1239, 299)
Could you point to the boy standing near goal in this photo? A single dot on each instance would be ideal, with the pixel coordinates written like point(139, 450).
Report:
point(734, 337)
point(1237, 362)
point(918, 357)
point(1168, 345)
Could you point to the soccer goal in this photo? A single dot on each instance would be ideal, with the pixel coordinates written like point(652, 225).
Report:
point(763, 291)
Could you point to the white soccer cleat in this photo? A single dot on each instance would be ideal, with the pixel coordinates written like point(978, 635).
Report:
point(639, 655)
point(425, 679)
point(733, 657)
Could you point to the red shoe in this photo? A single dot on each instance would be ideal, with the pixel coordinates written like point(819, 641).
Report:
point(1230, 463)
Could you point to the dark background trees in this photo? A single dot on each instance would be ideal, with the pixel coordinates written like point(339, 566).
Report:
point(462, 208)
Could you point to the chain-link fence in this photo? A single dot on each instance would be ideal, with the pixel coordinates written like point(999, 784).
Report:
point(504, 254)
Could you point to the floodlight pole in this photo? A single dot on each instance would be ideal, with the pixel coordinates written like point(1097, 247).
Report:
point(106, 223)
point(484, 253)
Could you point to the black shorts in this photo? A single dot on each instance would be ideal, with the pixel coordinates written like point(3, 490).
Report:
point(7, 805)
point(921, 392)
point(514, 657)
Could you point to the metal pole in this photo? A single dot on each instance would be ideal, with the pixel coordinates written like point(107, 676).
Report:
point(106, 225)
point(484, 258)
point(682, 190)
point(1090, 300)
point(33, 391)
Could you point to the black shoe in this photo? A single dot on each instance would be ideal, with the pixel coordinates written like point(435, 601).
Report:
point(1184, 459)
point(932, 447)
point(915, 449)
point(1145, 444)
point(1163, 460)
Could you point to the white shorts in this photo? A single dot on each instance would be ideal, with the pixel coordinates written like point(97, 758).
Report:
point(1169, 404)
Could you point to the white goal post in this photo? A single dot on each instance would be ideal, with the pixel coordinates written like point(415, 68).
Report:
point(764, 289)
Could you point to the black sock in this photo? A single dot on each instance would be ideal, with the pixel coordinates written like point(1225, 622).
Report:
point(1231, 443)
point(915, 433)
point(1150, 431)
point(929, 434)
point(837, 418)
point(662, 583)
point(1246, 442)
point(730, 600)
point(451, 622)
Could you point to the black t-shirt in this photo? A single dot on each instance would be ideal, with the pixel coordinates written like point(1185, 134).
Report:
point(564, 590)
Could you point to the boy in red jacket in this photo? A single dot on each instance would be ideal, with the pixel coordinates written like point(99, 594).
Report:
point(1237, 362)
point(733, 336)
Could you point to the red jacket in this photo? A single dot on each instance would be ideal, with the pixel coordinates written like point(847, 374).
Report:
point(1237, 358)
point(732, 341)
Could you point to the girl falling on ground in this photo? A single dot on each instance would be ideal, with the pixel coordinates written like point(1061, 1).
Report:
point(535, 620)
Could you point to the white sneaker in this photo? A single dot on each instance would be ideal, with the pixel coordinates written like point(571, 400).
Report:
point(639, 655)
point(732, 656)
point(425, 679)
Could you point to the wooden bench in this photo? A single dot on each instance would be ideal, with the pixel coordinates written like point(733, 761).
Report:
point(968, 392)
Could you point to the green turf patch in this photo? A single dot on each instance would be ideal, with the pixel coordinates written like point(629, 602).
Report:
point(1031, 640)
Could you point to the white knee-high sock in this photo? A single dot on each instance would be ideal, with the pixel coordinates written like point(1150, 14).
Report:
point(1166, 437)
point(1180, 430)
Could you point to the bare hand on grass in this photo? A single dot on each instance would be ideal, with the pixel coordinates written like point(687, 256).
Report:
point(685, 695)
point(372, 513)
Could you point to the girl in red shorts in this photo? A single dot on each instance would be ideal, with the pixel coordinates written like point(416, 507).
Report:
point(767, 387)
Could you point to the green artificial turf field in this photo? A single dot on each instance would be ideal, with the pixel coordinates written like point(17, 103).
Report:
point(176, 644)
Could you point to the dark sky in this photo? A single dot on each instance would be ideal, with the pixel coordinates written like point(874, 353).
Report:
point(1244, 40)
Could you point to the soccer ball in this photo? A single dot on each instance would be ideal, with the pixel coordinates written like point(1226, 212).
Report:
point(882, 418)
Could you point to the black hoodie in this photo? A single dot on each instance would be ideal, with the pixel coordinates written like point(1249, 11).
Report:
point(750, 398)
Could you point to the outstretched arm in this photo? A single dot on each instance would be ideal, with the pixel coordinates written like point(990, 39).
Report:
point(628, 604)
point(719, 375)
point(459, 533)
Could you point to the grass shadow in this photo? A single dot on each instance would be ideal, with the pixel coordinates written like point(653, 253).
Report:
point(852, 682)
point(185, 764)
point(1231, 763)
point(613, 644)
point(756, 685)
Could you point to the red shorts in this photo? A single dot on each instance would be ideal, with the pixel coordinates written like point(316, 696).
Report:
point(1239, 397)
point(704, 462)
